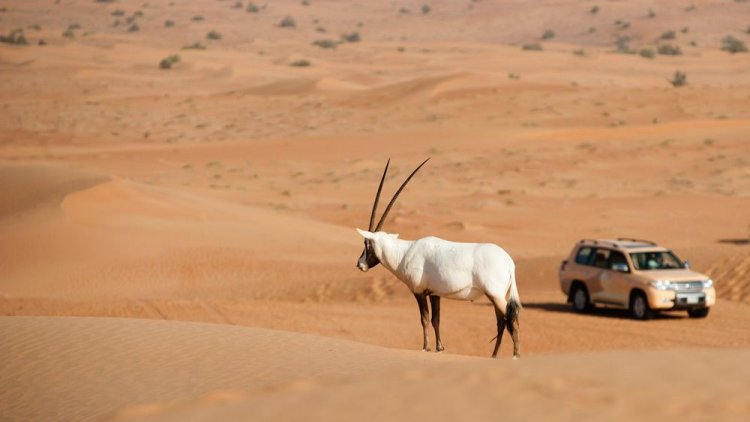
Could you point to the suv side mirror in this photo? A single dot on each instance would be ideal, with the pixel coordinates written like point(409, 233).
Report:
point(686, 264)
point(621, 267)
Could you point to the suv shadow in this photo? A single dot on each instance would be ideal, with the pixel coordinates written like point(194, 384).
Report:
point(599, 311)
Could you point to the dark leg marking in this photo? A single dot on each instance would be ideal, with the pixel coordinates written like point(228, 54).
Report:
point(424, 312)
point(500, 328)
point(435, 305)
point(513, 327)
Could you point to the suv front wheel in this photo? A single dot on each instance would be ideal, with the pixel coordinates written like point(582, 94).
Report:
point(580, 298)
point(639, 306)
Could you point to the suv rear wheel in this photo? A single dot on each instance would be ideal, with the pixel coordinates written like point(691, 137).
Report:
point(579, 296)
point(698, 313)
point(639, 306)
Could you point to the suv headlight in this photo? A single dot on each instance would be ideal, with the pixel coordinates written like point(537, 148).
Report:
point(661, 284)
point(707, 284)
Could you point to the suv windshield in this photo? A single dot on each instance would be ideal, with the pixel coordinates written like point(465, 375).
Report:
point(657, 260)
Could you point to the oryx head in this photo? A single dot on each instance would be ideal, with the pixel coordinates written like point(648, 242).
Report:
point(368, 259)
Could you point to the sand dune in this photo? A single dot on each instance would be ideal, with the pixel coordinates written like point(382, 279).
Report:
point(93, 368)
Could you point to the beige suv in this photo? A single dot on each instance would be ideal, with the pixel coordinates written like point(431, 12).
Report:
point(636, 274)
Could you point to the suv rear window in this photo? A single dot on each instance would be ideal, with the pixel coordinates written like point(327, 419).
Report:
point(584, 255)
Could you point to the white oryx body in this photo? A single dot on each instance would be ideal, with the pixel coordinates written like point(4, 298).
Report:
point(452, 270)
point(434, 268)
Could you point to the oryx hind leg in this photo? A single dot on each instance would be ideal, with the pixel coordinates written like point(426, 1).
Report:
point(500, 309)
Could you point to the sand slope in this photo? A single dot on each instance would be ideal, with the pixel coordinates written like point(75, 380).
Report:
point(91, 368)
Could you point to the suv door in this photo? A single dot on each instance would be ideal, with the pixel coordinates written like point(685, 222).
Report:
point(598, 264)
point(614, 279)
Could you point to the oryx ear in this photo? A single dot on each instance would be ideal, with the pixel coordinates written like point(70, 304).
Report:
point(393, 235)
point(366, 234)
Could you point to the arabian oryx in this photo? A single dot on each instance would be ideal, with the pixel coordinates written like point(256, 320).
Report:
point(434, 268)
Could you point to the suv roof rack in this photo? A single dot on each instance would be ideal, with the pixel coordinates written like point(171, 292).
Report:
point(637, 240)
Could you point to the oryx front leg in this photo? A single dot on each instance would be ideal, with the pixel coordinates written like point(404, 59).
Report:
point(424, 313)
point(435, 305)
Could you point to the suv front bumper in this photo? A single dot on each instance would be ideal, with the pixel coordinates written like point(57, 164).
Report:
point(670, 299)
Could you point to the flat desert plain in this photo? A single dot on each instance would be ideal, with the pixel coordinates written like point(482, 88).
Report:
point(180, 182)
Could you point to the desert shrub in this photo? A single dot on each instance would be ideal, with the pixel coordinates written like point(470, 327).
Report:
point(138, 14)
point(305, 2)
point(169, 61)
point(351, 37)
point(197, 18)
point(651, 13)
point(194, 46)
point(548, 34)
point(592, 30)
point(42, 42)
point(134, 28)
point(747, 31)
point(679, 79)
point(426, 9)
point(252, 8)
point(168, 23)
point(532, 47)
point(669, 50)
point(733, 45)
point(622, 45)
point(15, 36)
point(685, 29)
point(647, 53)
point(668, 35)
point(118, 12)
point(404, 11)
point(70, 31)
point(36, 27)
point(288, 22)
point(690, 8)
point(237, 5)
point(594, 10)
point(300, 63)
point(579, 52)
point(213, 35)
point(320, 29)
point(104, 1)
point(326, 43)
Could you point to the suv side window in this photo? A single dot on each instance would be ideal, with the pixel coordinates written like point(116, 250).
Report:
point(601, 258)
point(584, 255)
point(617, 258)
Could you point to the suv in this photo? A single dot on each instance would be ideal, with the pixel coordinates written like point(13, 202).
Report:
point(636, 274)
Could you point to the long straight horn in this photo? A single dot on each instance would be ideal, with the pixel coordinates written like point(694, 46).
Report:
point(403, 185)
point(377, 196)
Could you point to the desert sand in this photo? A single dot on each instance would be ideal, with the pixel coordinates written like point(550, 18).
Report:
point(179, 244)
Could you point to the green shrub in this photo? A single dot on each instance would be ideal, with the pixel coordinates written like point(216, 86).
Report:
point(118, 12)
point(237, 5)
point(647, 53)
point(213, 35)
point(426, 9)
point(15, 37)
point(669, 50)
point(169, 61)
point(288, 22)
point(300, 63)
point(668, 35)
point(532, 47)
point(351, 37)
point(134, 28)
point(168, 23)
point(326, 43)
point(594, 10)
point(194, 46)
point(679, 79)
point(733, 45)
point(548, 34)
point(252, 8)
point(197, 18)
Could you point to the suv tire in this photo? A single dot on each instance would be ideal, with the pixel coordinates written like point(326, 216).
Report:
point(639, 306)
point(579, 297)
point(698, 313)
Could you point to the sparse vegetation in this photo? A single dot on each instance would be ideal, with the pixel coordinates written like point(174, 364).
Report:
point(134, 28)
point(514, 76)
point(15, 37)
point(197, 18)
point(404, 11)
point(548, 34)
point(194, 46)
point(287, 22)
point(594, 10)
point(733, 45)
point(252, 8)
point(647, 53)
point(426, 9)
point(326, 43)
point(118, 12)
point(651, 14)
point(668, 35)
point(168, 23)
point(679, 79)
point(237, 5)
point(169, 61)
point(213, 35)
point(532, 47)
point(622, 45)
point(669, 50)
point(300, 63)
point(579, 52)
point(351, 37)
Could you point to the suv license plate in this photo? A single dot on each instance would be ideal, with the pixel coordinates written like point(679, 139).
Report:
point(692, 299)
